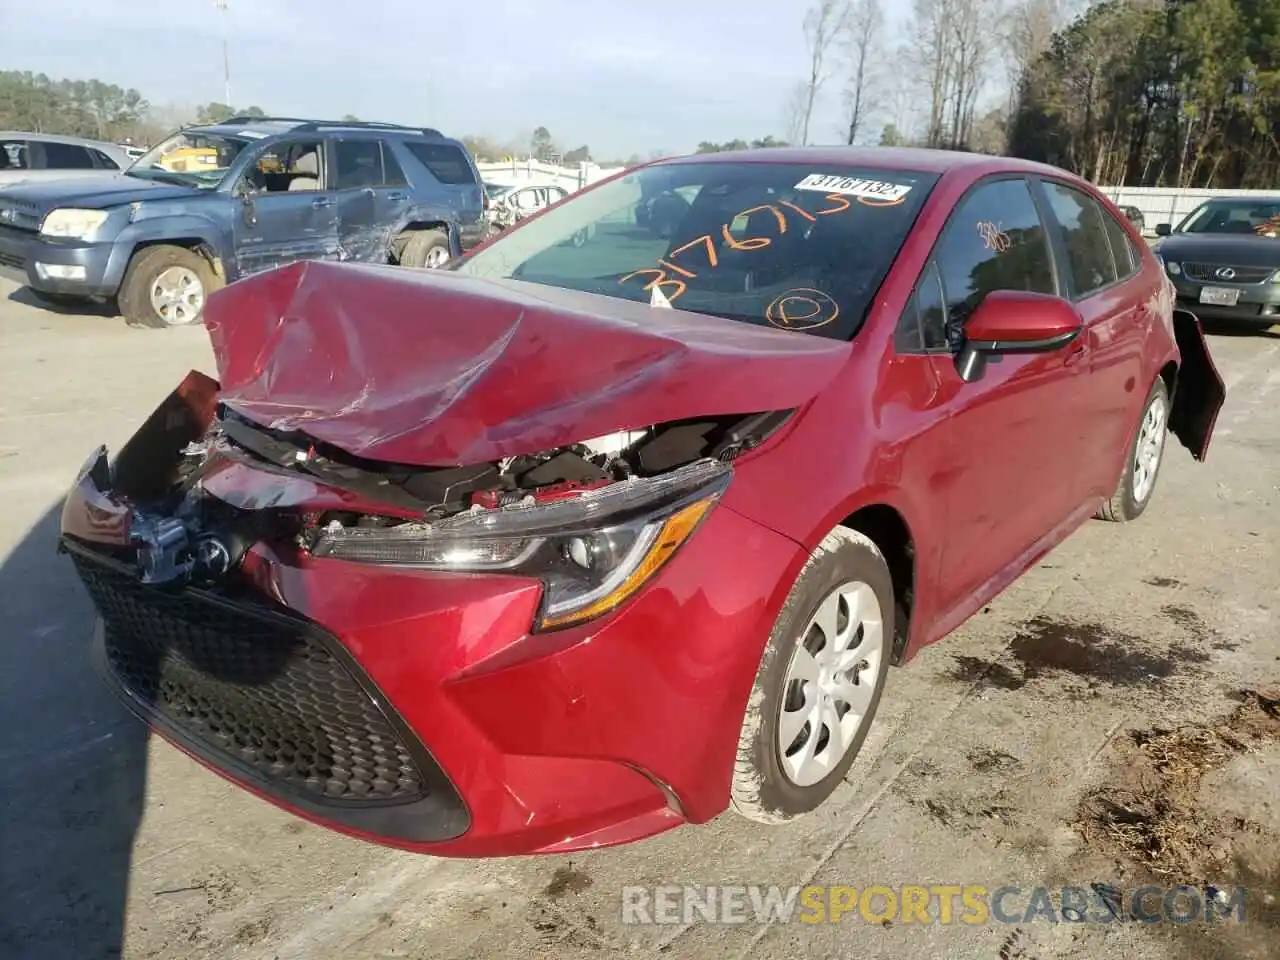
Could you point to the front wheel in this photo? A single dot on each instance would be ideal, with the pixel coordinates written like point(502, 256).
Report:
point(819, 682)
point(166, 287)
point(1142, 465)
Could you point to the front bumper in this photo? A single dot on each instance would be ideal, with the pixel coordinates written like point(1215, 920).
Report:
point(1258, 303)
point(35, 261)
point(415, 709)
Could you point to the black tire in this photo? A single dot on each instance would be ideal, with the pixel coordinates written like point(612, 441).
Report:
point(1128, 502)
point(62, 301)
point(762, 790)
point(420, 246)
point(145, 268)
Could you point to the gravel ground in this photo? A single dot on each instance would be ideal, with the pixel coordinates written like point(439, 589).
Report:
point(1109, 719)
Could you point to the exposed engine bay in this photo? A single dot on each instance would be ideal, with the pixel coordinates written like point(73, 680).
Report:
point(186, 523)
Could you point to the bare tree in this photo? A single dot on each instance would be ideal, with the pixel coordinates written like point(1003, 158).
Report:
point(864, 28)
point(822, 25)
point(793, 115)
point(953, 43)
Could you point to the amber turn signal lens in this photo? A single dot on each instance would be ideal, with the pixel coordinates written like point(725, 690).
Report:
point(675, 531)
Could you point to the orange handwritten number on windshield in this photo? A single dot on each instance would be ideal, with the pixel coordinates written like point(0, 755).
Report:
point(708, 243)
point(800, 210)
point(782, 220)
point(661, 281)
point(837, 198)
point(751, 243)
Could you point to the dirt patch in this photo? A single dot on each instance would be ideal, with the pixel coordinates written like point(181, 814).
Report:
point(255, 931)
point(566, 880)
point(1098, 655)
point(1150, 812)
point(989, 760)
point(1167, 583)
point(972, 670)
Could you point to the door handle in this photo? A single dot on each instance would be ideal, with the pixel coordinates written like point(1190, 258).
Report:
point(322, 202)
point(397, 196)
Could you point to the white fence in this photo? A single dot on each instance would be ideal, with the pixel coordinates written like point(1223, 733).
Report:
point(1158, 204)
point(535, 172)
point(1166, 205)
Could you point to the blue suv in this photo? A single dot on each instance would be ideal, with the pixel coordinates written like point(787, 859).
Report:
point(218, 202)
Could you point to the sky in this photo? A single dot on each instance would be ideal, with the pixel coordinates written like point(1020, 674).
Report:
point(622, 78)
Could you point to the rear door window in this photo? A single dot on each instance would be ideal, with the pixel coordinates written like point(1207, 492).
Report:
point(66, 156)
point(447, 163)
point(1123, 251)
point(359, 164)
point(1084, 233)
point(392, 172)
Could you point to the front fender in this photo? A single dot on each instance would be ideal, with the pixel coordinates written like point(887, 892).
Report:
point(182, 230)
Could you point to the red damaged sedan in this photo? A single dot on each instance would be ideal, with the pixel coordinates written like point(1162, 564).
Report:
point(623, 518)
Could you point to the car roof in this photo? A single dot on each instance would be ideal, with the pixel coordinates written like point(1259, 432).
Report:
point(907, 159)
point(1265, 198)
point(60, 138)
point(279, 126)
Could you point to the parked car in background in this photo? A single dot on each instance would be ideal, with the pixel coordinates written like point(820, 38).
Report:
point(1224, 259)
point(1135, 216)
point(563, 546)
point(510, 204)
point(212, 204)
point(45, 156)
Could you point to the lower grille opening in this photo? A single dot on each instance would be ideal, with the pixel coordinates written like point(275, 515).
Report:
point(271, 698)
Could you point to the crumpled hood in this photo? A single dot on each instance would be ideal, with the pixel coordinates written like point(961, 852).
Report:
point(430, 368)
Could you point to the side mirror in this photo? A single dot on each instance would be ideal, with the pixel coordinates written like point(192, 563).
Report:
point(1015, 321)
point(1163, 229)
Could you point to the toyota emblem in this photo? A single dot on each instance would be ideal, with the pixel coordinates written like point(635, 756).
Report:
point(213, 559)
point(1225, 273)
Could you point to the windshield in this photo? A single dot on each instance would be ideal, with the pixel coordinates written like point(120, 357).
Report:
point(1247, 217)
point(796, 247)
point(493, 189)
point(189, 159)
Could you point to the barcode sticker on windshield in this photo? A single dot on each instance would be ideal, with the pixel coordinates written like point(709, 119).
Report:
point(854, 187)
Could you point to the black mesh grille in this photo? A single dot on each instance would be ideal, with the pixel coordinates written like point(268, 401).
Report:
point(251, 685)
point(9, 260)
point(1209, 272)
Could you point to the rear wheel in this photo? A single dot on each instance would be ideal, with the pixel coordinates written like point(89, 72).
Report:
point(819, 681)
point(1142, 465)
point(426, 248)
point(166, 287)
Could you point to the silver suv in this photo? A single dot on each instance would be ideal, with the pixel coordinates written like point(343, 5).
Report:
point(47, 156)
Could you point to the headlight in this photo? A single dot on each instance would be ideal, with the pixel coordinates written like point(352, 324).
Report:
point(1173, 268)
point(72, 223)
point(592, 552)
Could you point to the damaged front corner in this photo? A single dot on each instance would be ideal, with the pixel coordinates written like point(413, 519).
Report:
point(144, 467)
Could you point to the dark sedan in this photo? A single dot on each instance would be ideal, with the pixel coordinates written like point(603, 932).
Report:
point(1224, 259)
